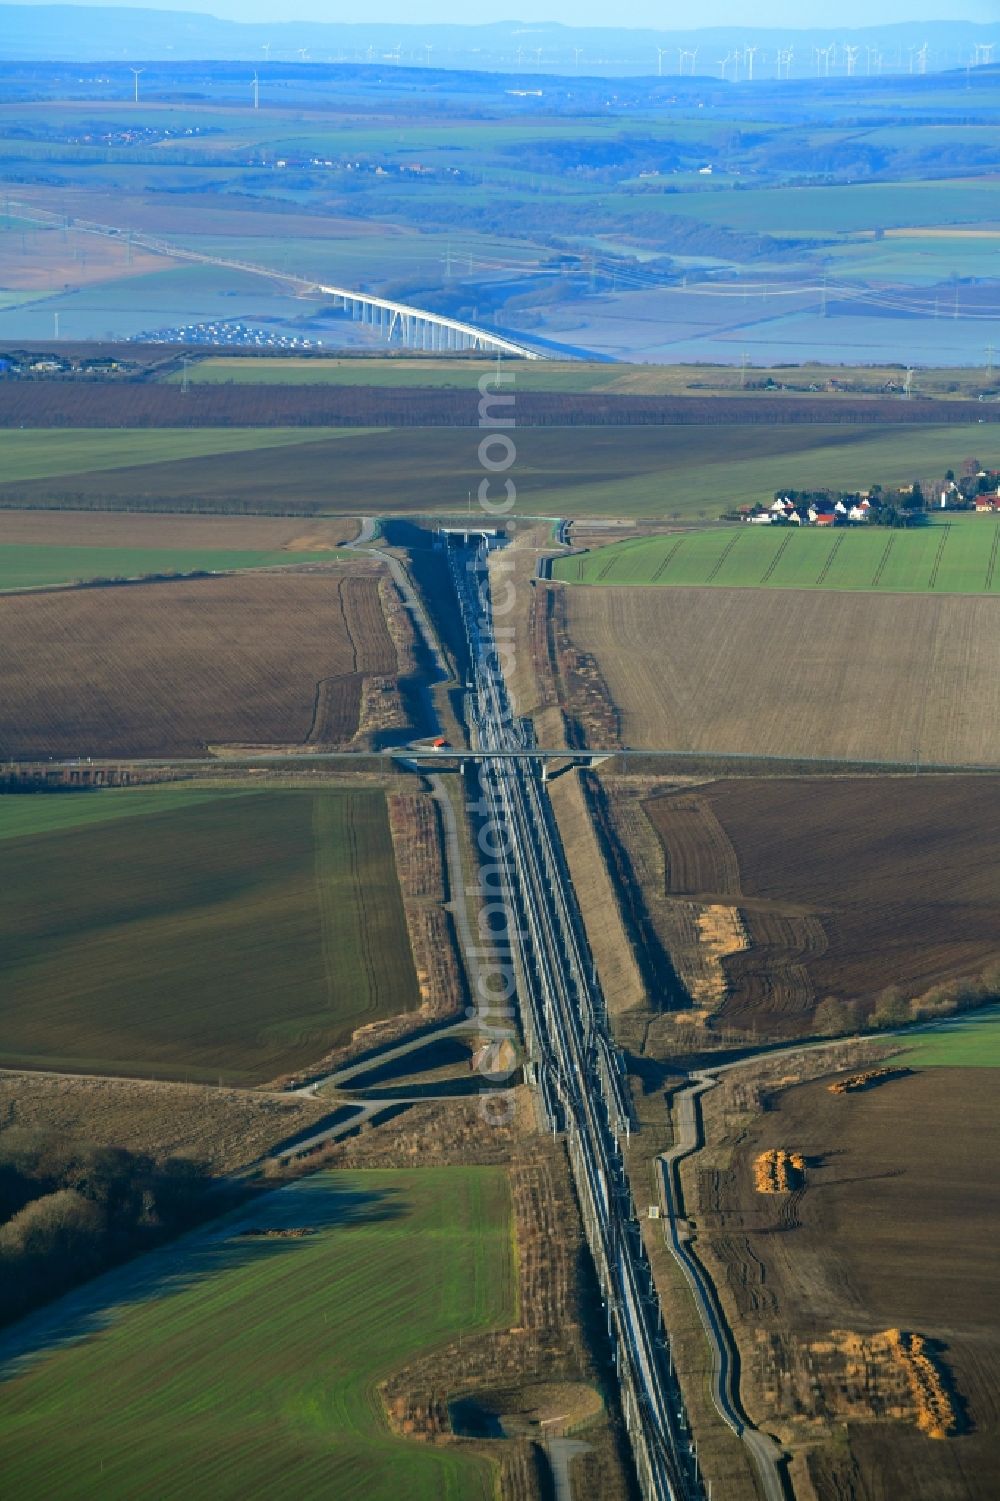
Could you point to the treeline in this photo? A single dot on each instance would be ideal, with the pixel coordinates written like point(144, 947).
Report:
point(69, 1209)
point(145, 405)
point(893, 1007)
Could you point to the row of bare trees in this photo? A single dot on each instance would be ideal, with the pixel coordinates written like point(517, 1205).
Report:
point(68, 1209)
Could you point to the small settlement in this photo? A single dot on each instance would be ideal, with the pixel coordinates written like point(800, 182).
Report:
point(978, 489)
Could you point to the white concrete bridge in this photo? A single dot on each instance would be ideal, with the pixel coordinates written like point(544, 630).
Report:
point(409, 327)
point(414, 328)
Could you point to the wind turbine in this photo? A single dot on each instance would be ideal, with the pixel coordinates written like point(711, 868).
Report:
point(748, 56)
point(851, 54)
point(660, 54)
point(256, 92)
point(694, 58)
point(428, 49)
point(303, 54)
point(265, 47)
point(137, 71)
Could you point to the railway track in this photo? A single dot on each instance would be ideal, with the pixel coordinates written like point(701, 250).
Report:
point(578, 1074)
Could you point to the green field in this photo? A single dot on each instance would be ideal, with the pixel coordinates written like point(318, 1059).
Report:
point(946, 558)
point(39, 453)
point(27, 566)
point(971, 1040)
point(424, 374)
point(231, 936)
point(836, 209)
point(930, 259)
point(414, 374)
point(687, 470)
point(573, 376)
point(49, 813)
point(235, 1366)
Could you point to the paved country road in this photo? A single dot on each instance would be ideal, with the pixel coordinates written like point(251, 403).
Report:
point(765, 1452)
point(767, 1455)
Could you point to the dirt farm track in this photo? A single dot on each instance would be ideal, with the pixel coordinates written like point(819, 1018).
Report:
point(895, 1228)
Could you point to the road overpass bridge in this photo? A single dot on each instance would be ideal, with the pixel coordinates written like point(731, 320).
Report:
point(553, 762)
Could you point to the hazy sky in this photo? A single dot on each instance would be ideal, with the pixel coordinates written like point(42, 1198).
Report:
point(652, 13)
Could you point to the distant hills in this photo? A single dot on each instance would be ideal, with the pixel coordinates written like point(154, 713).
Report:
point(82, 34)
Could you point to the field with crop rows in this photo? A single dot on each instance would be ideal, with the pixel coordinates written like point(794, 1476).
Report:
point(171, 668)
point(683, 470)
point(181, 1393)
point(843, 887)
point(215, 937)
point(901, 678)
point(957, 557)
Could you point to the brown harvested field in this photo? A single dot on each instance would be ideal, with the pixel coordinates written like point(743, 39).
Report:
point(840, 887)
point(895, 1228)
point(227, 1128)
point(120, 529)
point(173, 668)
point(37, 258)
point(811, 674)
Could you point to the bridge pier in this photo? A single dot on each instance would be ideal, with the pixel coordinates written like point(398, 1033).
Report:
point(413, 328)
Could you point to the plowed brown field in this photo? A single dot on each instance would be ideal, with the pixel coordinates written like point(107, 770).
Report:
point(845, 676)
point(845, 885)
point(170, 668)
point(895, 1228)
